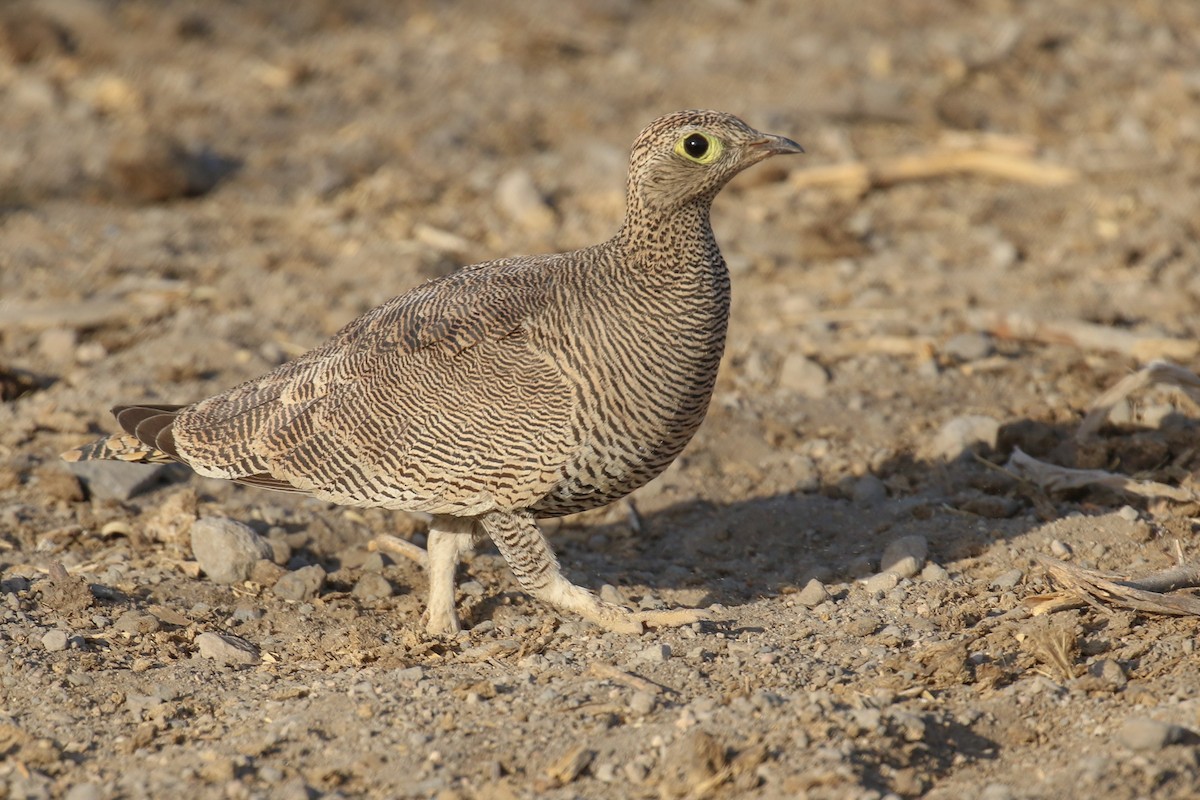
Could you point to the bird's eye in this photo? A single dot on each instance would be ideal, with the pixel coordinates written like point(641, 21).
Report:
point(699, 147)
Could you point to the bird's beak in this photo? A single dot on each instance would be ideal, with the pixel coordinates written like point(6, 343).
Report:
point(771, 145)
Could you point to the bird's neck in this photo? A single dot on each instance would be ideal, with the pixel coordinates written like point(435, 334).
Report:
point(668, 237)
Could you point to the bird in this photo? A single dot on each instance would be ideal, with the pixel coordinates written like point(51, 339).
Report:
point(504, 392)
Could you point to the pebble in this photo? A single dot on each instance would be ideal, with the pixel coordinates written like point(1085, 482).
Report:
point(372, 586)
point(905, 556)
point(83, 791)
point(118, 480)
point(303, 584)
point(409, 674)
point(969, 347)
point(934, 572)
point(1128, 513)
point(520, 200)
point(136, 622)
point(54, 640)
point(1007, 580)
point(802, 376)
point(226, 649)
point(997, 791)
point(58, 344)
point(1060, 549)
point(813, 594)
point(226, 549)
point(882, 582)
point(961, 434)
point(655, 654)
point(1148, 734)
point(642, 703)
point(869, 491)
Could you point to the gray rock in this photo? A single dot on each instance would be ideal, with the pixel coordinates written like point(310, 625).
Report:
point(934, 572)
point(83, 791)
point(303, 584)
point(654, 654)
point(641, 703)
point(136, 622)
point(1060, 549)
point(118, 480)
point(54, 640)
point(226, 549)
point(813, 594)
point(1007, 580)
point(964, 433)
point(518, 197)
point(905, 556)
point(1148, 734)
point(882, 582)
point(969, 347)
point(226, 649)
point(869, 491)
point(801, 375)
point(371, 586)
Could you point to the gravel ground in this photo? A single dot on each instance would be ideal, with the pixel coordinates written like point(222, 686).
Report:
point(191, 193)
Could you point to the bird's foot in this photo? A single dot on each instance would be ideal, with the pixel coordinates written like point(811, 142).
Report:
point(400, 547)
point(622, 620)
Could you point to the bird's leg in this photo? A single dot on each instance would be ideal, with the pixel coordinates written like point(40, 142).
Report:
point(536, 568)
point(449, 538)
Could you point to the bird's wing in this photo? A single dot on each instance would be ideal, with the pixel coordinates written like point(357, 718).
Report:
point(437, 400)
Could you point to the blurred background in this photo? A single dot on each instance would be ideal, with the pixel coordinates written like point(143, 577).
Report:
point(997, 217)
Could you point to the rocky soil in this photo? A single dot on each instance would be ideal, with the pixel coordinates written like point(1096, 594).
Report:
point(996, 220)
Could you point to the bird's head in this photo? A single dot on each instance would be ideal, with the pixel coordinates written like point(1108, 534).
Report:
point(688, 156)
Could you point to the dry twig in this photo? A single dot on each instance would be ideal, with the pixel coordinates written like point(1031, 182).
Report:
point(1153, 374)
point(1084, 335)
point(990, 163)
point(1155, 594)
point(1054, 478)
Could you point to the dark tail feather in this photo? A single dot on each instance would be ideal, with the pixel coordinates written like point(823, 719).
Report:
point(148, 438)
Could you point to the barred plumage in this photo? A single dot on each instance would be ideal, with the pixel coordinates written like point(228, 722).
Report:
point(514, 389)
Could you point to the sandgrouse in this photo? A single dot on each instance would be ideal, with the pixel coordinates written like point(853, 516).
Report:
point(507, 391)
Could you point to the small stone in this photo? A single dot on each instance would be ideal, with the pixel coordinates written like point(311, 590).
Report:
point(655, 654)
point(962, 434)
point(802, 376)
point(409, 674)
point(57, 345)
point(969, 347)
point(869, 491)
point(1109, 673)
point(374, 562)
point(642, 703)
point(1007, 580)
point(519, 199)
point(904, 556)
point(934, 572)
point(1148, 734)
point(372, 586)
point(118, 480)
point(226, 549)
point(813, 594)
point(54, 640)
point(996, 791)
point(266, 572)
point(303, 584)
point(136, 622)
point(1128, 513)
point(83, 791)
point(227, 649)
point(882, 582)
point(1060, 549)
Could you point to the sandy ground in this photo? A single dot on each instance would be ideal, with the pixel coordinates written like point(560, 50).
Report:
point(193, 192)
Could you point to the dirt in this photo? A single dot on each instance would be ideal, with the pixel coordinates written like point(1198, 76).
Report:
point(191, 193)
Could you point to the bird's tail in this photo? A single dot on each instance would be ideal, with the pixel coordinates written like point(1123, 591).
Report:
point(148, 438)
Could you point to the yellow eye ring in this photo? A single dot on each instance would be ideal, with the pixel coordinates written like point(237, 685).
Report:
point(699, 147)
